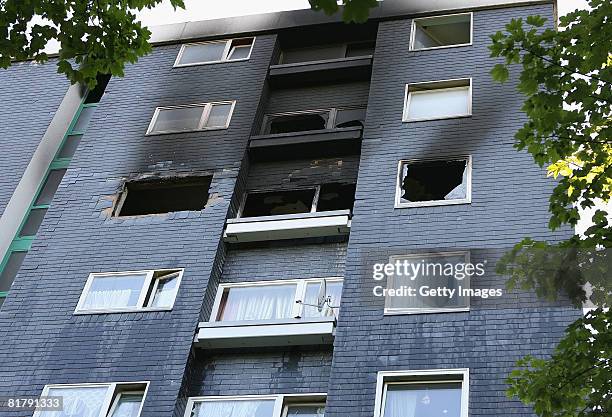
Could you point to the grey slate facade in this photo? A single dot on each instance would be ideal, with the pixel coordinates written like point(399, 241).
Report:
point(44, 342)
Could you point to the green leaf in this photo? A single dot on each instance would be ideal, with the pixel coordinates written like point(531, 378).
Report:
point(500, 73)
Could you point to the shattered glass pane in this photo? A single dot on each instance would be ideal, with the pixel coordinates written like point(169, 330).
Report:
point(434, 181)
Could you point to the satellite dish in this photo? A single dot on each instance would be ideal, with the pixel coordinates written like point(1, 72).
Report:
point(322, 296)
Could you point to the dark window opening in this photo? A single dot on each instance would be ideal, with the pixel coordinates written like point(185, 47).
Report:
point(311, 54)
point(359, 49)
point(274, 203)
point(11, 268)
point(434, 180)
point(298, 123)
point(165, 196)
point(350, 117)
point(336, 197)
point(95, 95)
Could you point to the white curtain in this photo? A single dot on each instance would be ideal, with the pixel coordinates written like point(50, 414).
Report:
point(231, 408)
point(107, 299)
point(267, 302)
point(400, 403)
point(114, 291)
point(78, 402)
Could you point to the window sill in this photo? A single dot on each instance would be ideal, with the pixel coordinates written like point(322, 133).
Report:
point(413, 311)
point(198, 64)
point(435, 48)
point(175, 132)
point(294, 332)
point(290, 226)
point(123, 310)
point(458, 116)
point(432, 203)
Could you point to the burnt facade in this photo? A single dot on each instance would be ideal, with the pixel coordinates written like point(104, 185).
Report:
point(209, 244)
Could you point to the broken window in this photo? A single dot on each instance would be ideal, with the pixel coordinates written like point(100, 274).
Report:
point(164, 196)
point(326, 197)
point(438, 100)
point(441, 31)
point(359, 49)
point(349, 118)
point(191, 117)
point(215, 51)
point(297, 123)
point(336, 197)
point(437, 182)
point(274, 203)
point(314, 120)
point(130, 291)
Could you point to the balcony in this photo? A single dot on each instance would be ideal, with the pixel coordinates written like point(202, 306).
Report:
point(289, 226)
point(298, 213)
point(351, 61)
point(329, 70)
point(272, 313)
point(293, 332)
point(309, 133)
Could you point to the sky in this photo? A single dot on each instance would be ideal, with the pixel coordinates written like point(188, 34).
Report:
point(214, 9)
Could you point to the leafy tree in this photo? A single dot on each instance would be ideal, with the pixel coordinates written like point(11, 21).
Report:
point(98, 36)
point(95, 36)
point(352, 10)
point(575, 382)
point(567, 80)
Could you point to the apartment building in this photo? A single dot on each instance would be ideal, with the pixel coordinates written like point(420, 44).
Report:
point(199, 238)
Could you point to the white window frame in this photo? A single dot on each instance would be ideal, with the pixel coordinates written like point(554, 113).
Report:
point(394, 377)
point(404, 311)
point(118, 398)
point(408, 95)
point(399, 204)
point(112, 396)
point(206, 108)
point(280, 401)
point(420, 19)
point(148, 284)
point(300, 293)
point(226, 52)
